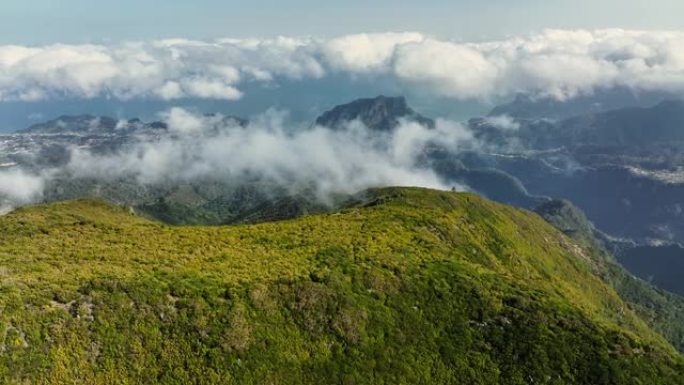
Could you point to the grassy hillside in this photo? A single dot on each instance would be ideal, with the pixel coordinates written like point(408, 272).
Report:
point(662, 311)
point(406, 286)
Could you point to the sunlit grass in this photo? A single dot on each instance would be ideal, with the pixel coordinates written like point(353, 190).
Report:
point(409, 286)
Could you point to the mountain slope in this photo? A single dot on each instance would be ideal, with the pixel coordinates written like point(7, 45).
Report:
point(660, 124)
point(634, 126)
point(528, 107)
point(663, 311)
point(404, 286)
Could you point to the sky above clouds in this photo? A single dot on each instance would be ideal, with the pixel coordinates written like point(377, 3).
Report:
point(80, 21)
point(76, 56)
point(555, 63)
point(132, 57)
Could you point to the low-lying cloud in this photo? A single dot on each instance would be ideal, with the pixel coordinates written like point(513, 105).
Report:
point(502, 122)
point(555, 63)
point(330, 161)
point(294, 157)
point(19, 187)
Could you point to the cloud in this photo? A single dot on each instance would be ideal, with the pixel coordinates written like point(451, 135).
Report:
point(183, 122)
point(18, 187)
point(270, 149)
point(556, 63)
point(448, 69)
point(211, 89)
point(502, 122)
point(365, 52)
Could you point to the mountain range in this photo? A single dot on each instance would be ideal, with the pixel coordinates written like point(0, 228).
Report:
point(622, 167)
point(412, 285)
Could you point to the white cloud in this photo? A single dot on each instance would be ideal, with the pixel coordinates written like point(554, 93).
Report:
point(183, 122)
point(365, 52)
point(448, 69)
point(330, 161)
point(503, 122)
point(20, 187)
point(169, 91)
point(211, 89)
point(556, 63)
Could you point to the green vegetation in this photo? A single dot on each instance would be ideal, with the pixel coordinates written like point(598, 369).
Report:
point(662, 311)
point(405, 286)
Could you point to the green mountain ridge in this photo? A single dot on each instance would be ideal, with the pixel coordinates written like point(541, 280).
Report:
point(403, 286)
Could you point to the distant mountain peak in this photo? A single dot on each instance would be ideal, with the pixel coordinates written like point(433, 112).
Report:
point(82, 124)
point(74, 123)
point(102, 125)
point(539, 107)
point(382, 113)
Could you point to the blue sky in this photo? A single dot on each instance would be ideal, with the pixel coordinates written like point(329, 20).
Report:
point(77, 21)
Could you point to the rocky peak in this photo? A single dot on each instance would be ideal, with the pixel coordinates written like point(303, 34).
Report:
point(382, 113)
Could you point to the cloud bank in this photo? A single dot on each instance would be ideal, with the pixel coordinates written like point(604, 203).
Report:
point(18, 188)
point(329, 161)
point(271, 150)
point(556, 63)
